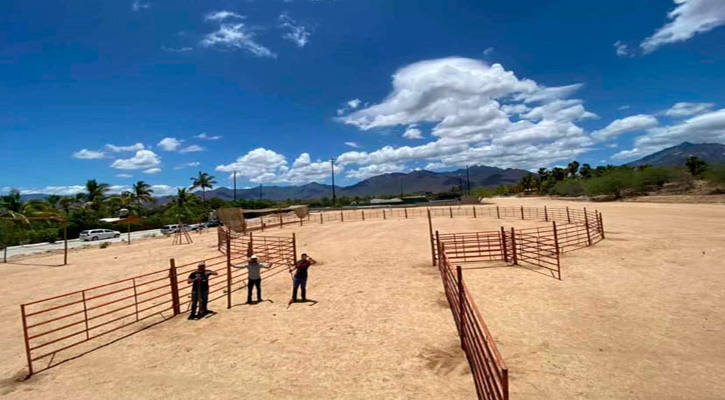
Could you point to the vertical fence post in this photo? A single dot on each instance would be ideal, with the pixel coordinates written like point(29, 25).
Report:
point(27, 341)
point(229, 273)
point(432, 244)
point(294, 247)
point(65, 243)
point(440, 250)
point(363, 215)
point(546, 214)
point(502, 237)
point(498, 213)
point(474, 212)
point(321, 218)
point(568, 216)
point(384, 217)
point(556, 245)
point(601, 225)
point(261, 219)
point(522, 212)
point(451, 210)
point(406, 212)
point(513, 246)
point(279, 212)
point(586, 225)
point(461, 309)
point(85, 313)
point(301, 221)
point(175, 287)
point(505, 383)
point(342, 216)
point(135, 297)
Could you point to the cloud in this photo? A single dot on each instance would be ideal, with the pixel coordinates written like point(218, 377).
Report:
point(632, 123)
point(136, 5)
point(222, 15)
point(683, 109)
point(705, 128)
point(235, 36)
point(481, 113)
point(413, 133)
point(189, 164)
point(191, 149)
point(144, 159)
point(85, 154)
point(123, 176)
point(164, 190)
point(169, 144)
point(689, 18)
point(353, 144)
point(349, 105)
point(488, 52)
point(118, 149)
point(297, 34)
point(373, 170)
point(266, 166)
point(204, 136)
point(622, 49)
point(176, 49)
point(624, 107)
point(152, 171)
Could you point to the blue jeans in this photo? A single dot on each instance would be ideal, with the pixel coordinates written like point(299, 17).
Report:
point(300, 282)
point(201, 297)
point(251, 283)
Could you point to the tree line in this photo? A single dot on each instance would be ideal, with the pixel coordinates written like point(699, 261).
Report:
point(609, 182)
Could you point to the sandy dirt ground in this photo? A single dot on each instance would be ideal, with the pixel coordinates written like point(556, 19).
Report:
point(380, 328)
point(638, 315)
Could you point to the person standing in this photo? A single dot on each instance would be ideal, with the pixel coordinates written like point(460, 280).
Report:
point(300, 276)
point(199, 290)
point(254, 278)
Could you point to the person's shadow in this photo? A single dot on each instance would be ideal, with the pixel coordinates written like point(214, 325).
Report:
point(254, 303)
point(311, 301)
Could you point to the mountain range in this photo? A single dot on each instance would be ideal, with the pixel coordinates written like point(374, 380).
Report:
point(712, 153)
point(419, 182)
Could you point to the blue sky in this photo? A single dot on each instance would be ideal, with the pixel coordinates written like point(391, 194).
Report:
point(158, 90)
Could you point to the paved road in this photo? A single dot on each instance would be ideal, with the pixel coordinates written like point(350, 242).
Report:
point(43, 247)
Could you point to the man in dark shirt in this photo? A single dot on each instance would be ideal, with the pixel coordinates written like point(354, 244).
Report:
point(199, 290)
point(300, 277)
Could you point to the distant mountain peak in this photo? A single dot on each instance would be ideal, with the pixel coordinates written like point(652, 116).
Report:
point(713, 153)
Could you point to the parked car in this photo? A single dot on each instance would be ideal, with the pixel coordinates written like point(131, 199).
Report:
point(213, 224)
point(194, 227)
point(169, 229)
point(98, 234)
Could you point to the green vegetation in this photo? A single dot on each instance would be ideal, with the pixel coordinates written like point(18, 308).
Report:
point(610, 181)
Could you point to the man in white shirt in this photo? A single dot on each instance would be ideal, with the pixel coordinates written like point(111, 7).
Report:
point(254, 278)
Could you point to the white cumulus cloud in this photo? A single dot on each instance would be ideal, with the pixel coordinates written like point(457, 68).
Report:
point(118, 149)
point(413, 133)
point(85, 154)
point(152, 171)
point(191, 149)
point(354, 145)
point(204, 136)
point(169, 144)
point(689, 18)
point(374, 170)
point(632, 123)
point(144, 159)
point(222, 15)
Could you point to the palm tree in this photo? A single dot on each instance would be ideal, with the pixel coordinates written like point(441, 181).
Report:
point(203, 181)
point(11, 203)
point(95, 194)
point(66, 203)
point(585, 171)
point(53, 200)
point(142, 192)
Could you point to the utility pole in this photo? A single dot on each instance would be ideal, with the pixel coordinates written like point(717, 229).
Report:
point(235, 185)
point(332, 168)
point(468, 181)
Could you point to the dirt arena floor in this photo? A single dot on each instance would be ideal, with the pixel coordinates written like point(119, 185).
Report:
point(639, 315)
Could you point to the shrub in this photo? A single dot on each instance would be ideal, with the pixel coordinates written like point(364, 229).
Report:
point(104, 245)
point(716, 174)
point(573, 188)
